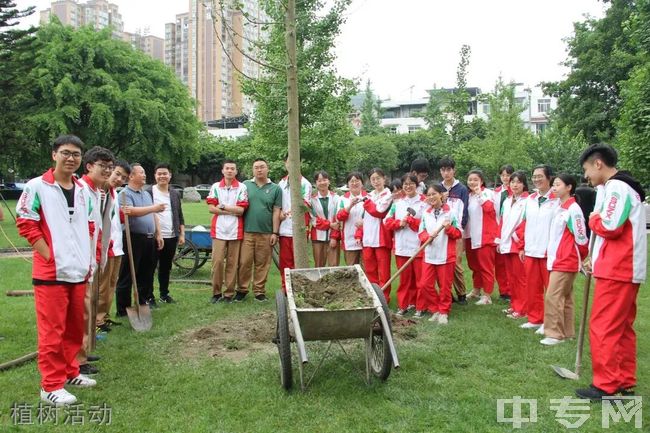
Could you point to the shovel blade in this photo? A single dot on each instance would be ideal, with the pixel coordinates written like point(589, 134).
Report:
point(140, 318)
point(564, 373)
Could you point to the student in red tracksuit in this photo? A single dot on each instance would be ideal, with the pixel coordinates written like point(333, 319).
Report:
point(480, 232)
point(350, 214)
point(442, 224)
point(376, 237)
point(55, 216)
point(501, 193)
point(567, 246)
point(512, 242)
point(403, 220)
point(540, 208)
point(325, 232)
point(619, 260)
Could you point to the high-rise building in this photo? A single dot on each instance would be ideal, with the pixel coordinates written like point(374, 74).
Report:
point(204, 47)
point(101, 14)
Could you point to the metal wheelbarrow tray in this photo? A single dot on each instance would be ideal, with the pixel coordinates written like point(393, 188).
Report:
point(299, 325)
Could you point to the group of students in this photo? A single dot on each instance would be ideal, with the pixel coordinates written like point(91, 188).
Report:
point(532, 244)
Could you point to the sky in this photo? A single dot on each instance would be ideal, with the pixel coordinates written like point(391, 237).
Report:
point(407, 46)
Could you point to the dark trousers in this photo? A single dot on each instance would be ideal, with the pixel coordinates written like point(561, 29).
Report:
point(144, 258)
point(164, 264)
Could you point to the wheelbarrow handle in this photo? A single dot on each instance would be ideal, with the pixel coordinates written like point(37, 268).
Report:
point(408, 262)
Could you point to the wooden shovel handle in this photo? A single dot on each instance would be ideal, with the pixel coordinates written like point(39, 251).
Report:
point(129, 249)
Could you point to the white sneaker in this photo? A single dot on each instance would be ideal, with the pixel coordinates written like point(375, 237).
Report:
point(434, 317)
point(529, 325)
point(484, 300)
point(550, 341)
point(400, 312)
point(81, 381)
point(443, 319)
point(474, 294)
point(58, 397)
point(410, 308)
point(540, 330)
point(418, 315)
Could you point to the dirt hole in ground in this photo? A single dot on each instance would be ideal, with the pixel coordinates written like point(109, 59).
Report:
point(238, 338)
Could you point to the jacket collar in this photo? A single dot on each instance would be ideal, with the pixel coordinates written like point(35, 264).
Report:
point(48, 177)
point(233, 184)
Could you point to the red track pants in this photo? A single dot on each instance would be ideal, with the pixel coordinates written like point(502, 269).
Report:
point(409, 281)
point(481, 262)
point(501, 273)
point(286, 257)
point(60, 328)
point(611, 334)
point(536, 283)
point(428, 297)
point(377, 264)
point(516, 272)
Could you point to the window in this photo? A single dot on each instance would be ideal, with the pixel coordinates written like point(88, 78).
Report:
point(540, 128)
point(414, 128)
point(392, 129)
point(543, 105)
point(486, 108)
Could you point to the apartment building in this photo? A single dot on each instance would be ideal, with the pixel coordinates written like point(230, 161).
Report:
point(96, 13)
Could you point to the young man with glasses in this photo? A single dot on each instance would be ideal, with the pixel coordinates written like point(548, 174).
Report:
point(98, 166)
point(55, 216)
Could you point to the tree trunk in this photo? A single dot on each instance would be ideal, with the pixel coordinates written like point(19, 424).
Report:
point(298, 208)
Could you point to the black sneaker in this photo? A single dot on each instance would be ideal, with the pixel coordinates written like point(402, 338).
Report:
point(504, 298)
point(593, 393)
point(152, 303)
point(110, 322)
point(239, 296)
point(103, 328)
point(261, 298)
point(88, 369)
point(167, 300)
point(93, 358)
point(462, 300)
point(215, 298)
point(626, 392)
point(225, 300)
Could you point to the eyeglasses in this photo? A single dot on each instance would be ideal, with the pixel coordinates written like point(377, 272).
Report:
point(105, 167)
point(67, 154)
point(538, 177)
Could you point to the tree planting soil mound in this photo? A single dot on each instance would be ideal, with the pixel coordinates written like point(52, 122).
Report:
point(238, 338)
point(337, 290)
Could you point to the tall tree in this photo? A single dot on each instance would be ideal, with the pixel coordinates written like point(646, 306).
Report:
point(86, 83)
point(601, 56)
point(370, 113)
point(458, 99)
point(15, 62)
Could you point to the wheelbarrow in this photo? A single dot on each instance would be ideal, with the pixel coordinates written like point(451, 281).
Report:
point(300, 325)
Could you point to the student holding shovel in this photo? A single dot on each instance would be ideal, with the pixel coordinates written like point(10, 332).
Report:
point(618, 265)
point(55, 216)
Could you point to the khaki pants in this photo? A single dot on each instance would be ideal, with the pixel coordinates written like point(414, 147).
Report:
point(228, 251)
point(324, 255)
point(459, 279)
point(255, 251)
point(88, 345)
point(352, 257)
point(558, 306)
point(107, 285)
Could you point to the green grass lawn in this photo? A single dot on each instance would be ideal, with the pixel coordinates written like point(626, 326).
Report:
point(450, 378)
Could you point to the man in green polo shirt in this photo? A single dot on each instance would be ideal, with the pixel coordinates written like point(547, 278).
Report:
point(261, 226)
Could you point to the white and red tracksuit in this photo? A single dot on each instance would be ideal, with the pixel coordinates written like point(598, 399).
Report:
point(228, 227)
point(539, 214)
point(567, 243)
point(60, 282)
point(286, 228)
point(501, 194)
point(511, 242)
point(619, 260)
point(439, 259)
point(480, 232)
point(320, 225)
point(377, 241)
point(350, 233)
point(405, 243)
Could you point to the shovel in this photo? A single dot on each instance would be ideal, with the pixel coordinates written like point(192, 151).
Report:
point(140, 315)
point(565, 373)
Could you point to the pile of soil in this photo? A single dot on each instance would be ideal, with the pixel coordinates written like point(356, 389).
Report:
point(337, 290)
point(239, 337)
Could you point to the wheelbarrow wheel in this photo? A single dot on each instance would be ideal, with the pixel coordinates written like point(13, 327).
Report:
point(186, 260)
point(275, 254)
point(380, 357)
point(283, 340)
